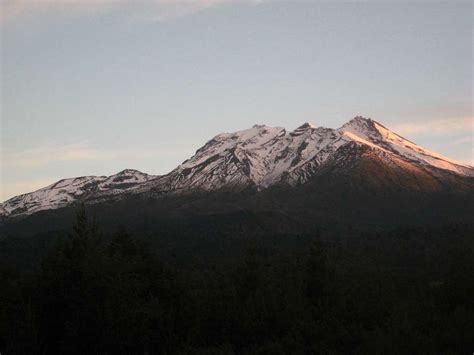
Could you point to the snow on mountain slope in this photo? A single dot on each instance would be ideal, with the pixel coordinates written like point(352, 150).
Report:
point(373, 132)
point(260, 157)
point(56, 195)
point(126, 180)
point(67, 191)
point(233, 158)
point(227, 159)
point(301, 153)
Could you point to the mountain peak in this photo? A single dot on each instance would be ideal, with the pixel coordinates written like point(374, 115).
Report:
point(360, 121)
point(368, 131)
point(130, 172)
point(306, 125)
point(362, 127)
point(361, 118)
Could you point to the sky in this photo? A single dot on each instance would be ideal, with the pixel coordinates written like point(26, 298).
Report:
point(94, 87)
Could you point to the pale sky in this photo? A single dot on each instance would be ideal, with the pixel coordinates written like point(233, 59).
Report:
point(94, 87)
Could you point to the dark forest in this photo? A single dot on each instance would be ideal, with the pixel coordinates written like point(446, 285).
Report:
point(408, 290)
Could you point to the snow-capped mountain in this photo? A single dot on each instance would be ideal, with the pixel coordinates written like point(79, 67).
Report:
point(261, 156)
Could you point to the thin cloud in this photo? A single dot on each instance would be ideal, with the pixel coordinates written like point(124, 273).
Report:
point(54, 153)
point(460, 129)
point(164, 10)
point(149, 10)
point(435, 127)
point(15, 9)
point(463, 140)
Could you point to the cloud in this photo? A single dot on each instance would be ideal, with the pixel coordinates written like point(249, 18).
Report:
point(164, 10)
point(54, 153)
point(149, 10)
point(15, 9)
point(462, 141)
point(454, 136)
point(435, 127)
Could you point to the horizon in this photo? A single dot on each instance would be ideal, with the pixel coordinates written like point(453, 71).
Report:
point(93, 90)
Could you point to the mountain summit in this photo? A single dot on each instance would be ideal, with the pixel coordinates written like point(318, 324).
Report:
point(264, 156)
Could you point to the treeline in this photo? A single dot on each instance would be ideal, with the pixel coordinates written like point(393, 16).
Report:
point(406, 292)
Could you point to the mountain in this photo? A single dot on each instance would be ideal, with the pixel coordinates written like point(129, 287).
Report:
point(362, 153)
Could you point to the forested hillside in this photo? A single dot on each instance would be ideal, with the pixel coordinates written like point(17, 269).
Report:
point(408, 290)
